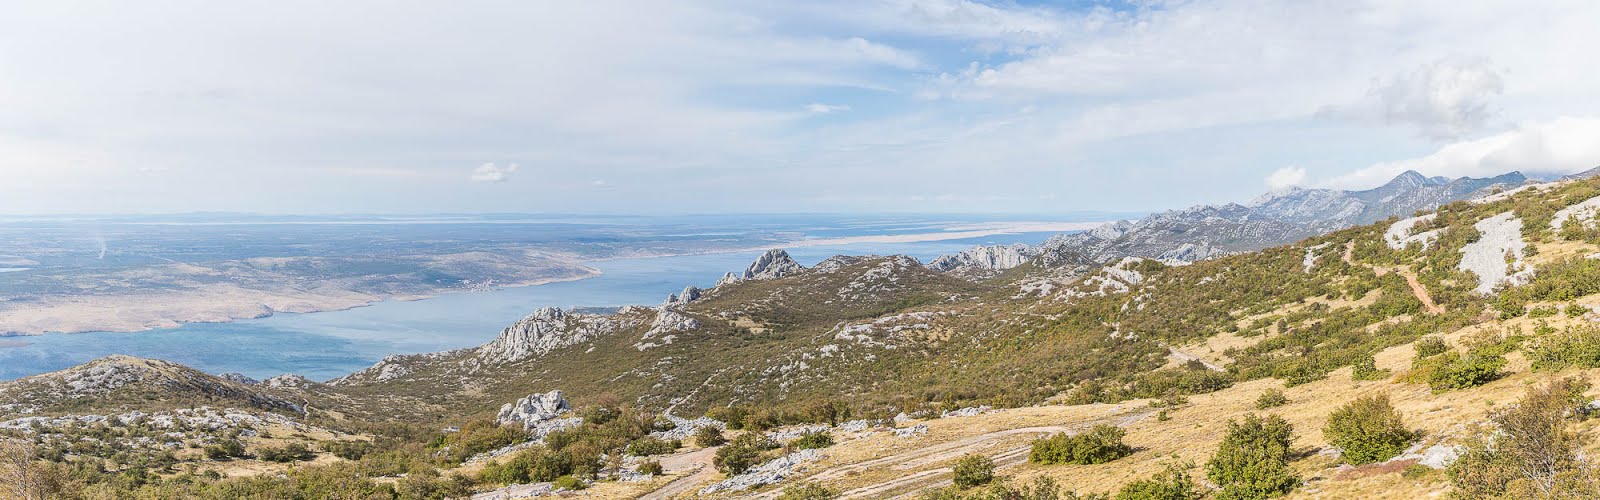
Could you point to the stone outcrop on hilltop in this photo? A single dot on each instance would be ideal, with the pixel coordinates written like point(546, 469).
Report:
point(776, 263)
point(690, 294)
point(984, 259)
point(545, 330)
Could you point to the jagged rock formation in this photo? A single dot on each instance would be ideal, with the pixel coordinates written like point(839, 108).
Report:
point(543, 331)
point(690, 294)
point(984, 259)
point(239, 378)
point(776, 263)
point(532, 410)
point(288, 381)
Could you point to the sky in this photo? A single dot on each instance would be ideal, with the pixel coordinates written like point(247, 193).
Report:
point(710, 106)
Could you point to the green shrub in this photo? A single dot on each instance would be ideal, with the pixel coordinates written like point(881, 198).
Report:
point(1173, 483)
point(348, 450)
point(646, 446)
point(1366, 368)
point(1253, 459)
point(1576, 346)
point(651, 468)
point(709, 436)
point(1452, 371)
point(1575, 311)
point(1431, 346)
point(230, 448)
point(569, 482)
point(973, 470)
point(1099, 445)
point(807, 491)
point(292, 452)
point(1273, 398)
point(733, 416)
point(743, 453)
point(1368, 430)
point(813, 440)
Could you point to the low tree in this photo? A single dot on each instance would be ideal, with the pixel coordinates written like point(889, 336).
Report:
point(1530, 452)
point(1368, 430)
point(1253, 459)
point(1172, 483)
point(709, 436)
point(973, 470)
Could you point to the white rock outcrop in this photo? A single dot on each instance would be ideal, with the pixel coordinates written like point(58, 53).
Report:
point(1399, 236)
point(534, 409)
point(776, 263)
point(772, 472)
point(689, 294)
point(984, 259)
point(1582, 211)
point(1496, 257)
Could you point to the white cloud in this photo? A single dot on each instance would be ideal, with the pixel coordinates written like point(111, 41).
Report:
point(1286, 177)
point(823, 109)
point(1560, 146)
point(489, 172)
point(1445, 99)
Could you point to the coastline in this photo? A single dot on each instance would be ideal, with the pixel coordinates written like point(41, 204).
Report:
point(228, 313)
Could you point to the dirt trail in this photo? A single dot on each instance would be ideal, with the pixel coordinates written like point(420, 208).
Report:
point(1421, 292)
point(1417, 289)
point(699, 461)
point(944, 453)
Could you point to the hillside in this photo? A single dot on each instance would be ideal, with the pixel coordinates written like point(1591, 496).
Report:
point(1455, 315)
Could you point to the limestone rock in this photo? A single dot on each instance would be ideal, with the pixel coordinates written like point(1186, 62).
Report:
point(534, 409)
point(776, 263)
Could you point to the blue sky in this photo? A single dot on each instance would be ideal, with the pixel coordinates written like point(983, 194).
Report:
point(704, 106)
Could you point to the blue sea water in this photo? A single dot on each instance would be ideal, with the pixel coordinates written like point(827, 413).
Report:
point(329, 344)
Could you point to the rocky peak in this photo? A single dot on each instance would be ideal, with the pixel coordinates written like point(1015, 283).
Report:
point(538, 333)
point(288, 381)
point(727, 279)
point(238, 378)
point(775, 263)
point(690, 294)
point(984, 259)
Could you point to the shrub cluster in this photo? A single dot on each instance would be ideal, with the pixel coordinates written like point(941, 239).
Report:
point(1368, 430)
point(1253, 460)
point(1099, 445)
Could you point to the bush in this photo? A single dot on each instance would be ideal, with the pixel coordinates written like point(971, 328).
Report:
point(569, 482)
point(807, 491)
point(293, 452)
point(1368, 430)
point(709, 436)
point(733, 416)
point(1253, 460)
point(973, 470)
point(646, 446)
point(348, 450)
point(1530, 452)
point(1579, 346)
point(231, 448)
point(1366, 368)
point(813, 440)
point(1099, 445)
point(1431, 346)
point(1273, 398)
point(1173, 483)
point(743, 453)
point(1453, 371)
point(651, 467)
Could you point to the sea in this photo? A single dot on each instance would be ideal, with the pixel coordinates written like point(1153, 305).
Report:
point(330, 344)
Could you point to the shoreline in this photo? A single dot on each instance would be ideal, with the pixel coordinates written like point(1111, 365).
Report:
point(952, 233)
point(269, 312)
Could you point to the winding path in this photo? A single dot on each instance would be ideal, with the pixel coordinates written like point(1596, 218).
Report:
point(698, 460)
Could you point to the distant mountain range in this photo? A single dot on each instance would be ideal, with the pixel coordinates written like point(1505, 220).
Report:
point(1206, 231)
